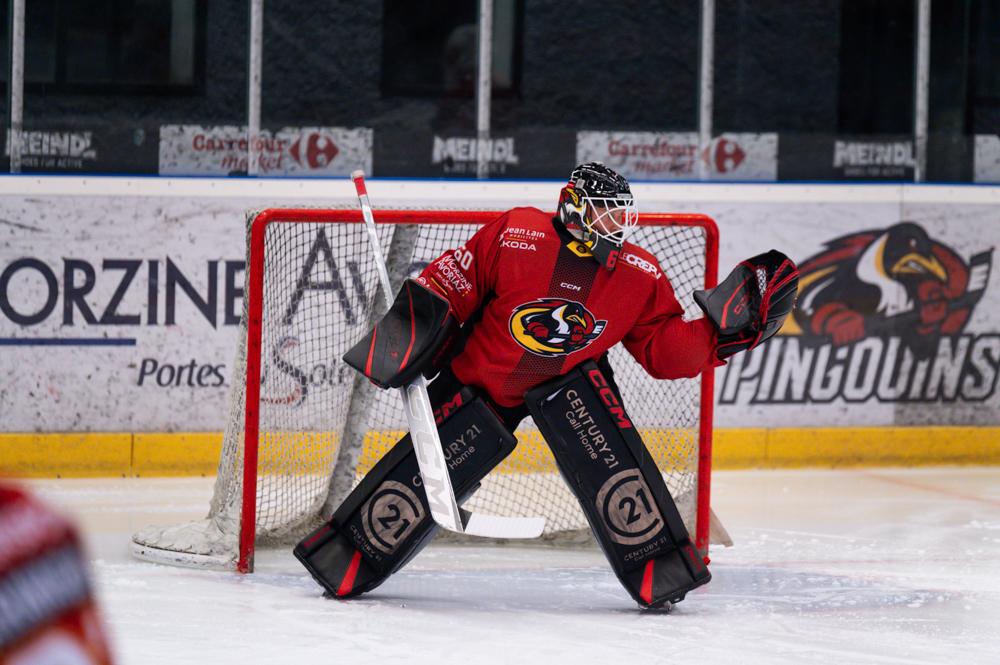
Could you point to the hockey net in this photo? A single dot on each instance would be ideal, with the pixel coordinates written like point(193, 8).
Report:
point(304, 428)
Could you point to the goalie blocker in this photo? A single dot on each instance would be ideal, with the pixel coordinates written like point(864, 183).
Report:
point(603, 459)
point(411, 338)
point(386, 519)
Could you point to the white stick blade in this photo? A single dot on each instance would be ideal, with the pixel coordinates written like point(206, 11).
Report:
point(496, 526)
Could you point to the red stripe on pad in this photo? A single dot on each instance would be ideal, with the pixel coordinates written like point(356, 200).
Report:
point(371, 353)
point(413, 330)
point(347, 583)
point(646, 593)
point(316, 536)
point(693, 556)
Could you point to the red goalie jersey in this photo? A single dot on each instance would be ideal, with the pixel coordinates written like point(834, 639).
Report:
point(540, 305)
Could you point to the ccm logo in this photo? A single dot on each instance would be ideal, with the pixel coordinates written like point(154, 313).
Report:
point(432, 467)
point(447, 408)
point(610, 399)
point(741, 304)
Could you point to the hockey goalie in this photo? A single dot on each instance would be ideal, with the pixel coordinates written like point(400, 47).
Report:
point(519, 321)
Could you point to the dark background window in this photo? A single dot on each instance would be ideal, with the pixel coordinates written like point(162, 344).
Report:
point(776, 65)
point(877, 42)
point(429, 47)
point(813, 71)
point(630, 65)
point(984, 115)
point(94, 46)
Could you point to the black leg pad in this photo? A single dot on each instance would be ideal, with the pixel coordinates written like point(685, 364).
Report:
point(385, 520)
point(603, 459)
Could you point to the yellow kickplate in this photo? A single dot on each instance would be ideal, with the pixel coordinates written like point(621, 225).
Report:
point(65, 454)
point(738, 448)
point(75, 454)
point(176, 453)
point(882, 446)
point(854, 446)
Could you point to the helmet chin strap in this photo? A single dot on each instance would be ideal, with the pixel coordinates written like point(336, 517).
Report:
point(603, 251)
point(606, 253)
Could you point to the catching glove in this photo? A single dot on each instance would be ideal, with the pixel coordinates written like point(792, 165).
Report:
point(750, 305)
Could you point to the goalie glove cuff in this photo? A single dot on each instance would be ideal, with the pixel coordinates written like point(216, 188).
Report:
point(751, 304)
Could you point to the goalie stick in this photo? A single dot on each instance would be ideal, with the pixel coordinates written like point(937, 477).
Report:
point(431, 461)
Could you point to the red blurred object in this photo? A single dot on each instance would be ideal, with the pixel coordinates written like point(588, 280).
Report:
point(49, 612)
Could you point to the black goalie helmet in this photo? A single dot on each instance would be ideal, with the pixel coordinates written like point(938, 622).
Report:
point(597, 206)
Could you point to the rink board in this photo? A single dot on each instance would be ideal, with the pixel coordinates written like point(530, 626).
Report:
point(126, 296)
point(95, 454)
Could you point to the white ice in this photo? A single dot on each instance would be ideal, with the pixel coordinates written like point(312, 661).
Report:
point(855, 566)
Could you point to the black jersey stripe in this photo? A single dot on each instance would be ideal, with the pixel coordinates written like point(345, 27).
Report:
point(572, 269)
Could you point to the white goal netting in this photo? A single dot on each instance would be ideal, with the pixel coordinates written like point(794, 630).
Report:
point(321, 426)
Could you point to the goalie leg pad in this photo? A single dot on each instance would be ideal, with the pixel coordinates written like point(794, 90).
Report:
point(386, 520)
point(622, 493)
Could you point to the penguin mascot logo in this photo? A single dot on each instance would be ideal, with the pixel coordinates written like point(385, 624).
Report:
point(554, 327)
point(888, 282)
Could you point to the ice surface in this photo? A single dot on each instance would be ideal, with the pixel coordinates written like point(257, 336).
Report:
point(855, 566)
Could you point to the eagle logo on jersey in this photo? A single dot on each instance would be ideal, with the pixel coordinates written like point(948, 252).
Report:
point(554, 326)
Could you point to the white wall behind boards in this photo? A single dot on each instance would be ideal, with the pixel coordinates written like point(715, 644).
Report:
point(129, 291)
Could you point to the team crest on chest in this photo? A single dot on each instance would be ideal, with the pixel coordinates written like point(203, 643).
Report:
point(554, 326)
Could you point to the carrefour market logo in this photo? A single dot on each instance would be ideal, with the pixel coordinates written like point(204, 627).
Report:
point(554, 327)
point(881, 315)
point(314, 150)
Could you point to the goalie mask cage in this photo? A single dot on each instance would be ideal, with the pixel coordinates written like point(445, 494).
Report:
point(304, 428)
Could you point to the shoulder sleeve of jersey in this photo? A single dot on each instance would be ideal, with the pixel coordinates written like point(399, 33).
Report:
point(636, 258)
point(466, 274)
point(667, 346)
